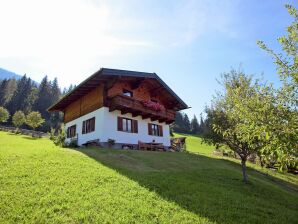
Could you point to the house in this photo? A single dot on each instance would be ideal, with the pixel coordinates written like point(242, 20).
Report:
point(125, 106)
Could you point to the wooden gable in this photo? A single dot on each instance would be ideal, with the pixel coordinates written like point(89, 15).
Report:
point(84, 105)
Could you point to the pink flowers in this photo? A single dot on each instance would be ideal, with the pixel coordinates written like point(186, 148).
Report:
point(153, 105)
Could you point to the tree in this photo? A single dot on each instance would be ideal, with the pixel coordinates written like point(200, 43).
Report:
point(34, 119)
point(44, 98)
point(282, 130)
point(194, 125)
point(287, 63)
point(18, 119)
point(7, 89)
point(55, 117)
point(178, 124)
point(209, 135)
point(225, 115)
point(4, 115)
point(20, 99)
point(186, 124)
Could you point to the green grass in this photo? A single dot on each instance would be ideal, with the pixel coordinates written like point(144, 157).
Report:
point(194, 144)
point(42, 183)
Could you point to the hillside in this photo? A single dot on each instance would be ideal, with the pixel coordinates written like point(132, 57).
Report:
point(41, 183)
point(5, 74)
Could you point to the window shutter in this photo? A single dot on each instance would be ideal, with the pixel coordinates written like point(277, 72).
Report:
point(160, 130)
point(134, 126)
point(84, 127)
point(93, 124)
point(74, 131)
point(149, 129)
point(120, 125)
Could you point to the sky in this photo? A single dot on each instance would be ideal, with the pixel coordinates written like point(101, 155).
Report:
point(188, 43)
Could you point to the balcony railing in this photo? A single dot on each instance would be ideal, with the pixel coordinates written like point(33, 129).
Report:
point(130, 105)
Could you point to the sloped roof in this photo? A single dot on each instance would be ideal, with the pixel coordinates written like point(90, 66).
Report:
point(103, 75)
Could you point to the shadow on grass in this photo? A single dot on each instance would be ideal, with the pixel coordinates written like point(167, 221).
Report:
point(30, 138)
point(12, 133)
point(208, 187)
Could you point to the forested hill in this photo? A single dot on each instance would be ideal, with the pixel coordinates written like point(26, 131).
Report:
point(5, 74)
point(23, 94)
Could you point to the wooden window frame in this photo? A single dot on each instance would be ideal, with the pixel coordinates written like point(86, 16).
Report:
point(125, 91)
point(122, 124)
point(88, 126)
point(71, 131)
point(155, 130)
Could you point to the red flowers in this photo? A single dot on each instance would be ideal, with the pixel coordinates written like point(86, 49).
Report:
point(153, 105)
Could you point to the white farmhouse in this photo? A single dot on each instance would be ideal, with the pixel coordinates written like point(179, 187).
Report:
point(126, 106)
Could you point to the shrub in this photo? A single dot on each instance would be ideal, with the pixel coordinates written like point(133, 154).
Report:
point(72, 144)
point(4, 114)
point(111, 142)
point(52, 134)
point(18, 119)
point(34, 119)
point(59, 138)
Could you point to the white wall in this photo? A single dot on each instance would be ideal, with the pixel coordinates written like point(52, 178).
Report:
point(82, 138)
point(106, 127)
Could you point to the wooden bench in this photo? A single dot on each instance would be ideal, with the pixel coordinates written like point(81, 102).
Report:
point(157, 146)
point(150, 146)
point(142, 145)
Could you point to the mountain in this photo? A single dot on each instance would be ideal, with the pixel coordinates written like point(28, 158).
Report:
point(5, 74)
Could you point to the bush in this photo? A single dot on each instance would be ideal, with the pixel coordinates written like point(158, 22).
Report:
point(4, 115)
point(59, 138)
point(52, 134)
point(34, 119)
point(72, 144)
point(111, 142)
point(18, 119)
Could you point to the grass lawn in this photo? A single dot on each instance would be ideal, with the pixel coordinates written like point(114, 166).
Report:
point(194, 144)
point(42, 183)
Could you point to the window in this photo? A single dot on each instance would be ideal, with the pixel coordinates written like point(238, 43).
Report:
point(127, 125)
point(88, 126)
point(71, 131)
point(154, 129)
point(127, 93)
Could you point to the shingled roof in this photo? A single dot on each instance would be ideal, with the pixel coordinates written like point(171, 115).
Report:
point(103, 75)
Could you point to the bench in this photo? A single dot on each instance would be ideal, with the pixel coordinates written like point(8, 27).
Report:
point(150, 146)
point(143, 145)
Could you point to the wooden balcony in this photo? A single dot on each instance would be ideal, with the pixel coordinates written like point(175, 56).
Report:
point(130, 105)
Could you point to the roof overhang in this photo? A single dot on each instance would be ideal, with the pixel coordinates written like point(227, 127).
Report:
point(104, 75)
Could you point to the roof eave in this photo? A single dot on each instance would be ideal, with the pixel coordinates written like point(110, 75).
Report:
point(51, 108)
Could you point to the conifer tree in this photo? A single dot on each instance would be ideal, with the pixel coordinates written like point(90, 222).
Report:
point(7, 89)
point(55, 117)
point(44, 97)
point(19, 100)
point(194, 125)
point(186, 124)
point(178, 124)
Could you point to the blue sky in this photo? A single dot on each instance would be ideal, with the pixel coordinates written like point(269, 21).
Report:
point(187, 43)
